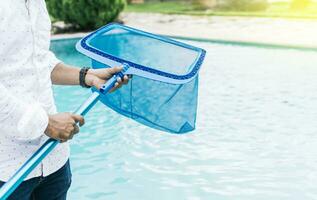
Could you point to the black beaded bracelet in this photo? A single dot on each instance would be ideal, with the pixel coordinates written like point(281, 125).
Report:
point(82, 77)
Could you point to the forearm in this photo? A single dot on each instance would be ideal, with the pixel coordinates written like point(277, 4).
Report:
point(64, 74)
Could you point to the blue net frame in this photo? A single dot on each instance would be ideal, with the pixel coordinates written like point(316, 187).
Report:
point(165, 100)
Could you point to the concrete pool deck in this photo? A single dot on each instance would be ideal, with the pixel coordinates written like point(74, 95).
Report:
point(285, 32)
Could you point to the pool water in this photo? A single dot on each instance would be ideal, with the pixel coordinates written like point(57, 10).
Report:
point(256, 135)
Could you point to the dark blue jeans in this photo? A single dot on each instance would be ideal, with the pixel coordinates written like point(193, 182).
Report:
point(51, 187)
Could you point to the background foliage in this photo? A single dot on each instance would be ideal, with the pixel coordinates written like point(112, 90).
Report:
point(244, 5)
point(85, 14)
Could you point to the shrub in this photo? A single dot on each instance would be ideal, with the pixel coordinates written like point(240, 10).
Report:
point(244, 5)
point(85, 14)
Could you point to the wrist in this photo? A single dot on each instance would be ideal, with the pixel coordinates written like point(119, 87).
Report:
point(83, 79)
point(89, 78)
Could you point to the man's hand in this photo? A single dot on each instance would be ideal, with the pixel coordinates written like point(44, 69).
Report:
point(62, 126)
point(63, 74)
point(97, 77)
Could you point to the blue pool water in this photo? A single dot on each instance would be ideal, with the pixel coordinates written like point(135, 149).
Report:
point(256, 136)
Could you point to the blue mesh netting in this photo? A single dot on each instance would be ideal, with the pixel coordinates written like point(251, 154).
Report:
point(164, 106)
point(157, 104)
point(146, 51)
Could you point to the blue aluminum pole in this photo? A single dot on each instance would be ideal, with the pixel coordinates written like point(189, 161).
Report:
point(8, 188)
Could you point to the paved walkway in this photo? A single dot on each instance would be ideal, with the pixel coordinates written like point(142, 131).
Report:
point(260, 30)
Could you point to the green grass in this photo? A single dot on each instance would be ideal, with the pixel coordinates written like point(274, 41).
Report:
point(275, 10)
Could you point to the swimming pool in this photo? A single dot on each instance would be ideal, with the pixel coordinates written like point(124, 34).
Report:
point(255, 137)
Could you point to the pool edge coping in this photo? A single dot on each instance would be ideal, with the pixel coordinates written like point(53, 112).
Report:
point(210, 40)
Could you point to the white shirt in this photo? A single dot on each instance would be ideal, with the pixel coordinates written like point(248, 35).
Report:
point(26, 96)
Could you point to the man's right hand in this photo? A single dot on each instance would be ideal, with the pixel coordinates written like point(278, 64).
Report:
point(62, 126)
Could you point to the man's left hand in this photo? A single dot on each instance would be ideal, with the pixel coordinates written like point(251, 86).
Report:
point(98, 77)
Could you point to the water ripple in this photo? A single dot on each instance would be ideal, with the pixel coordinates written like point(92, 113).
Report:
point(255, 137)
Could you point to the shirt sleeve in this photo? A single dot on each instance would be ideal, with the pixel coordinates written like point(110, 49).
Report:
point(53, 60)
point(21, 120)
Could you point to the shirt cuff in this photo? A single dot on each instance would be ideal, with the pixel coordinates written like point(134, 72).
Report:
point(33, 122)
point(53, 61)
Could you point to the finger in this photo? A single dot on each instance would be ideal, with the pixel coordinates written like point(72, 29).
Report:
point(115, 70)
point(119, 80)
point(116, 86)
point(79, 118)
point(70, 136)
point(70, 132)
point(64, 136)
point(76, 130)
point(125, 79)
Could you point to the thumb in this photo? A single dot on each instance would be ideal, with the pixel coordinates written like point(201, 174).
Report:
point(99, 83)
point(78, 118)
point(115, 70)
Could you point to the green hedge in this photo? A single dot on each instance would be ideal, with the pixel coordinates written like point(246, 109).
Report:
point(85, 14)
